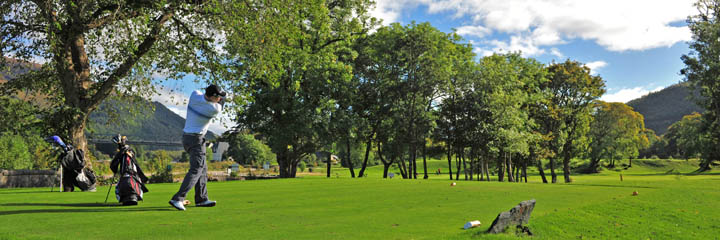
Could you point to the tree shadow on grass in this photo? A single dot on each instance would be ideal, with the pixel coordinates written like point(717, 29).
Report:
point(78, 208)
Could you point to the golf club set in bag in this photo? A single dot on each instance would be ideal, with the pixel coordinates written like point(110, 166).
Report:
point(130, 186)
point(73, 174)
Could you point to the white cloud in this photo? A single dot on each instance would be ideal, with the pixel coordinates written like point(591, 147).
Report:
point(556, 52)
point(617, 25)
point(523, 44)
point(389, 10)
point(478, 31)
point(626, 94)
point(595, 66)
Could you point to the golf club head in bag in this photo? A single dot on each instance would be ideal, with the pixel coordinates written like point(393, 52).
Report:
point(57, 140)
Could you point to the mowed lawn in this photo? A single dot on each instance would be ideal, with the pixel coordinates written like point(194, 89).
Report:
point(598, 206)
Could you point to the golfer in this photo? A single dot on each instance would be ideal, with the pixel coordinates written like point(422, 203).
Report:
point(201, 109)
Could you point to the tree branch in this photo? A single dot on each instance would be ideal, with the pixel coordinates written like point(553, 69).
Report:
point(36, 28)
point(99, 22)
point(122, 70)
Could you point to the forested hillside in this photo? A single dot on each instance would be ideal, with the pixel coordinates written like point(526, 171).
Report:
point(665, 107)
point(143, 123)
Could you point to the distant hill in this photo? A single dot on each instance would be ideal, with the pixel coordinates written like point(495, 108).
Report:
point(159, 125)
point(665, 107)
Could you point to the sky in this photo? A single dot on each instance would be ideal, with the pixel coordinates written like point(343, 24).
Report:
point(635, 45)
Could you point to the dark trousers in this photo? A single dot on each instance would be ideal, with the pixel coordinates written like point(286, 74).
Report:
point(194, 145)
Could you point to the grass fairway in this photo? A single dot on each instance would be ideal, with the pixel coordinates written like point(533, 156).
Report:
point(599, 206)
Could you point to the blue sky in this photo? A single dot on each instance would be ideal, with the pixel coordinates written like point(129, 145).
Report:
point(634, 45)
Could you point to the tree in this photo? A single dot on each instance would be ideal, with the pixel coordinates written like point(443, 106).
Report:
point(616, 132)
point(96, 48)
point(688, 140)
point(287, 73)
point(568, 113)
point(702, 65)
point(245, 149)
point(400, 70)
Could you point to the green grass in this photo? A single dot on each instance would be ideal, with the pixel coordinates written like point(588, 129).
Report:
point(598, 206)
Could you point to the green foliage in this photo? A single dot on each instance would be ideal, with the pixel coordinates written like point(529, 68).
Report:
point(185, 157)
point(158, 166)
point(686, 138)
point(287, 59)
point(245, 149)
point(14, 153)
point(302, 166)
point(95, 49)
point(19, 117)
point(566, 117)
point(209, 154)
point(701, 67)
point(617, 132)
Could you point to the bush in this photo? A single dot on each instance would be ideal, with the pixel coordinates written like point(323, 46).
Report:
point(302, 166)
point(245, 149)
point(164, 176)
point(14, 153)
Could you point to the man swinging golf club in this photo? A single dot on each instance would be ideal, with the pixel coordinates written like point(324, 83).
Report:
point(201, 109)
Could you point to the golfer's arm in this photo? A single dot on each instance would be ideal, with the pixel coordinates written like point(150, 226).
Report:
point(206, 109)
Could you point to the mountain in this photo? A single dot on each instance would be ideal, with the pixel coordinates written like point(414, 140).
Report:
point(138, 124)
point(665, 107)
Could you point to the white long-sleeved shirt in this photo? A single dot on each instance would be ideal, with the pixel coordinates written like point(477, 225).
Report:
point(199, 113)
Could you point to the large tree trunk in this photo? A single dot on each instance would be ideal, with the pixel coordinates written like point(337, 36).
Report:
point(386, 165)
point(403, 168)
point(293, 168)
point(349, 160)
point(566, 168)
point(501, 167)
point(449, 158)
point(462, 158)
point(482, 169)
point(594, 162)
point(284, 165)
point(425, 161)
point(508, 160)
point(329, 163)
point(414, 161)
point(552, 170)
point(540, 169)
point(487, 169)
point(73, 66)
point(367, 153)
point(77, 135)
point(524, 169)
point(457, 163)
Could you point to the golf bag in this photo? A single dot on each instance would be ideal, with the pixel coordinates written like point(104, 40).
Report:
point(74, 172)
point(130, 187)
